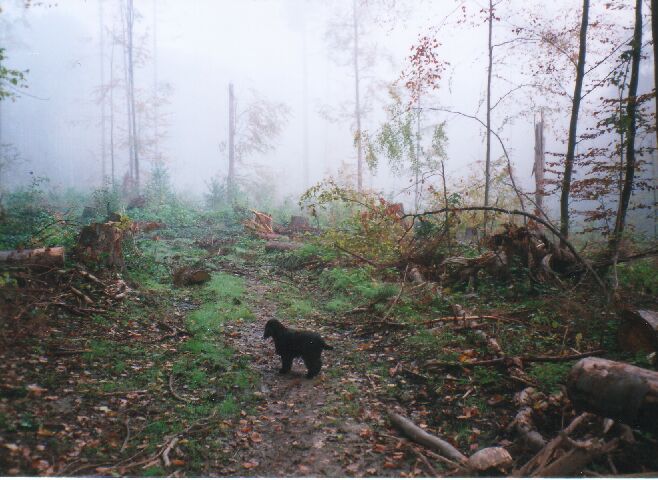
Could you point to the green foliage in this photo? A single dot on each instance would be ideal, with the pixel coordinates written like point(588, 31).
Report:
point(639, 276)
point(550, 375)
point(10, 79)
point(30, 221)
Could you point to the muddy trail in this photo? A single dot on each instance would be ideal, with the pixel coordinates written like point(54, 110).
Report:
point(325, 426)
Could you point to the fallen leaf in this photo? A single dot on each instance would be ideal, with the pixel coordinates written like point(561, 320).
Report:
point(256, 437)
point(44, 432)
point(250, 464)
point(304, 469)
point(178, 462)
point(380, 448)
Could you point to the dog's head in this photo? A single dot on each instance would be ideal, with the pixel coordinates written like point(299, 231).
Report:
point(272, 328)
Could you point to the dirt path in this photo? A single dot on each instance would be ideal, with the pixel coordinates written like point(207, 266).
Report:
point(318, 427)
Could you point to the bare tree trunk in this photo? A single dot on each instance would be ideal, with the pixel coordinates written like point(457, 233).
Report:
point(357, 100)
point(631, 109)
point(654, 34)
point(573, 124)
point(130, 17)
point(156, 133)
point(101, 33)
point(539, 165)
point(487, 160)
point(231, 141)
point(305, 166)
point(112, 117)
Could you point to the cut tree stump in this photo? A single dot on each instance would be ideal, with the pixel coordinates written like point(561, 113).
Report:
point(638, 331)
point(45, 257)
point(100, 244)
point(615, 390)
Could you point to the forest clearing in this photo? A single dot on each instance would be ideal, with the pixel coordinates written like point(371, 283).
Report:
point(353, 238)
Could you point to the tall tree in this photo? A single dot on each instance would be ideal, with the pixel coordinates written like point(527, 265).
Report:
point(573, 123)
point(231, 141)
point(631, 121)
point(357, 98)
point(487, 159)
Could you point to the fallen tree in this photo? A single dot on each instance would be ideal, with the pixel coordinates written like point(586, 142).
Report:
point(615, 390)
point(45, 257)
point(531, 216)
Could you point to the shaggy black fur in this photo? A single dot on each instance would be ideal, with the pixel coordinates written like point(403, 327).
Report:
point(290, 344)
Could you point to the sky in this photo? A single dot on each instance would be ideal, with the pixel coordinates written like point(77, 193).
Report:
point(260, 46)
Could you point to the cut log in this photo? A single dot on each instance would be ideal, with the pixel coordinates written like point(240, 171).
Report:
point(421, 437)
point(638, 331)
point(46, 257)
point(100, 244)
point(615, 390)
point(490, 458)
point(276, 246)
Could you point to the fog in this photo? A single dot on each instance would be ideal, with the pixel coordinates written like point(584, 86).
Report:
point(264, 48)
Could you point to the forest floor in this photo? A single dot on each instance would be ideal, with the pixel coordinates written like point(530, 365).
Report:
point(180, 382)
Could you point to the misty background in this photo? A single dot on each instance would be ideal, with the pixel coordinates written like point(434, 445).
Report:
point(293, 53)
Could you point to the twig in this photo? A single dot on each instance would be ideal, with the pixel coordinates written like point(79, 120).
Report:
point(443, 459)
point(356, 255)
point(125, 442)
point(173, 392)
point(168, 448)
point(423, 458)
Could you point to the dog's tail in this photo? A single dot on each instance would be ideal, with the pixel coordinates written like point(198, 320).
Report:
point(325, 346)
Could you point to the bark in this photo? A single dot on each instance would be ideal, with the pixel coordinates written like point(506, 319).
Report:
point(100, 244)
point(46, 257)
point(654, 35)
point(490, 458)
point(638, 331)
point(615, 390)
point(421, 437)
point(631, 110)
point(573, 124)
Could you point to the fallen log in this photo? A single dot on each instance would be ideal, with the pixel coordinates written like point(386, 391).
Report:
point(513, 360)
point(421, 437)
point(277, 246)
point(45, 257)
point(638, 331)
point(615, 390)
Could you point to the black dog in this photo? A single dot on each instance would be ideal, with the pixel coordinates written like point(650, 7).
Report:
point(290, 344)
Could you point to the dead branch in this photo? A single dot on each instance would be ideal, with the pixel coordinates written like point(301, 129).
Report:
point(523, 359)
point(173, 391)
point(421, 437)
point(543, 456)
point(360, 257)
point(167, 449)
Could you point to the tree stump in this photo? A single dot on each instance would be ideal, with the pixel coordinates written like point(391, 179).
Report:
point(615, 390)
point(638, 331)
point(100, 244)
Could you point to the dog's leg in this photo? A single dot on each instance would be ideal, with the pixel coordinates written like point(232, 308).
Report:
point(286, 363)
point(313, 364)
